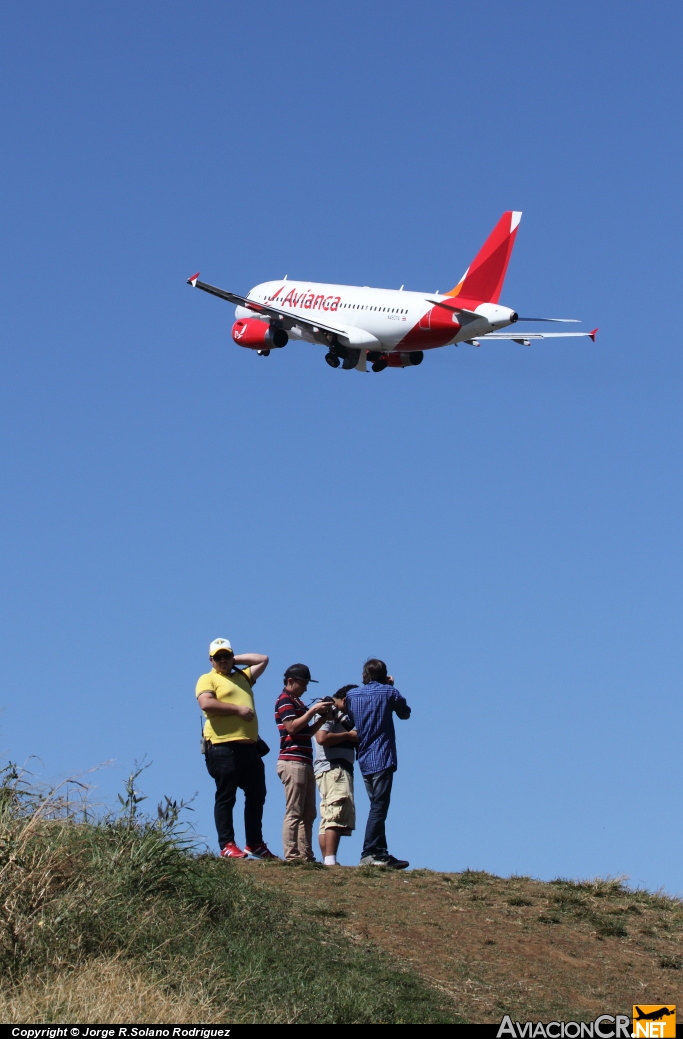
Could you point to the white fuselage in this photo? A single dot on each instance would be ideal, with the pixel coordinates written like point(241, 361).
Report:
point(386, 319)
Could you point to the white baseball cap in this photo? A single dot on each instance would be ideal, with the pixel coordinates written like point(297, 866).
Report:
point(219, 644)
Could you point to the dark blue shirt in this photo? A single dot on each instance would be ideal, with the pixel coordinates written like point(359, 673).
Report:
point(372, 708)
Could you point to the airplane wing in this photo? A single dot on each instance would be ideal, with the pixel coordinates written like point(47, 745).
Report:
point(526, 337)
point(287, 320)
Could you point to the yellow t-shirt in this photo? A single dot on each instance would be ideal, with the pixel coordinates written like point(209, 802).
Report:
point(236, 689)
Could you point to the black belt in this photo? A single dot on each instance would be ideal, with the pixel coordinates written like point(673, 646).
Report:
point(228, 743)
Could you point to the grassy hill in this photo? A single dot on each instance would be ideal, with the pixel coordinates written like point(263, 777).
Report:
point(116, 920)
point(493, 946)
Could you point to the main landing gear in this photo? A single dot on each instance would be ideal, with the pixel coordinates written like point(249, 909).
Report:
point(377, 360)
point(351, 360)
point(342, 355)
point(346, 357)
point(380, 361)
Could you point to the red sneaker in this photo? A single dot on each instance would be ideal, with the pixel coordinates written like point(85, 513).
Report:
point(231, 851)
point(261, 851)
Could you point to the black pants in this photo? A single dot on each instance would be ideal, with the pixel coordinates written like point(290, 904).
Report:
point(378, 786)
point(234, 765)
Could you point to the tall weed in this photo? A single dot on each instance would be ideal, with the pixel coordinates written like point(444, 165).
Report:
point(129, 895)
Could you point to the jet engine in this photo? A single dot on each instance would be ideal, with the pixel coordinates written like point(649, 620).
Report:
point(405, 360)
point(258, 335)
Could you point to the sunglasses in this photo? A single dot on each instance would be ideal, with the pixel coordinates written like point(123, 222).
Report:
point(220, 658)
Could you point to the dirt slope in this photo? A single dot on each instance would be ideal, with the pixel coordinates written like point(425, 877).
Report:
point(518, 946)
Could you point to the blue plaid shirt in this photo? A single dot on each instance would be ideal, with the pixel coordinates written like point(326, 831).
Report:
point(372, 708)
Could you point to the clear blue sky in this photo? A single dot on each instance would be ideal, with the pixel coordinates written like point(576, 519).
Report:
point(502, 525)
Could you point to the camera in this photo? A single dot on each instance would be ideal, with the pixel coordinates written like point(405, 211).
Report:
point(336, 714)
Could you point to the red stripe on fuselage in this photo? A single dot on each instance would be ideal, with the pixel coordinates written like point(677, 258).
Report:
point(435, 328)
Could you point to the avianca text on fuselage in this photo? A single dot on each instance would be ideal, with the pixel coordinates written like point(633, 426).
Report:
point(385, 327)
point(306, 299)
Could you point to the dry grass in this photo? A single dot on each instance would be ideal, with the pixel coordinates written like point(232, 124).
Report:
point(517, 946)
point(114, 919)
point(105, 991)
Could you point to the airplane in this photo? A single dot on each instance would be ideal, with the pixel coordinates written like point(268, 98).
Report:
point(654, 1015)
point(389, 328)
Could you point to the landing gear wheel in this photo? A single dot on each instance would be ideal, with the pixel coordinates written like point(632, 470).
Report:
point(263, 353)
point(332, 360)
point(379, 366)
point(417, 357)
point(351, 360)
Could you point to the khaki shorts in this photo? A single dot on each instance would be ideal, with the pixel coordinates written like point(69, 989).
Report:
point(337, 810)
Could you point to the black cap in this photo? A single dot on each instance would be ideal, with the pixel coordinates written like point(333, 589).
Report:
point(300, 673)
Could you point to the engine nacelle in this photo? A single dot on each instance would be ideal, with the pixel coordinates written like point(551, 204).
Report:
point(258, 335)
point(405, 360)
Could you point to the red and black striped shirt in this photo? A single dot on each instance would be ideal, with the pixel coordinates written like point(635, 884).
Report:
point(297, 747)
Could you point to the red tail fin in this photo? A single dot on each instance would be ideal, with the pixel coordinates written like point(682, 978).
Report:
point(483, 279)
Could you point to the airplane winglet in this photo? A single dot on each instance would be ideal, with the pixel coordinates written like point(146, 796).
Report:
point(593, 334)
point(193, 280)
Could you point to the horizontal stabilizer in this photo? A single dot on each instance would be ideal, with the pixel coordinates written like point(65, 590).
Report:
point(453, 306)
point(519, 337)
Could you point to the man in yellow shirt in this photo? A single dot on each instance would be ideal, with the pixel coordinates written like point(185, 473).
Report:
point(231, 734)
